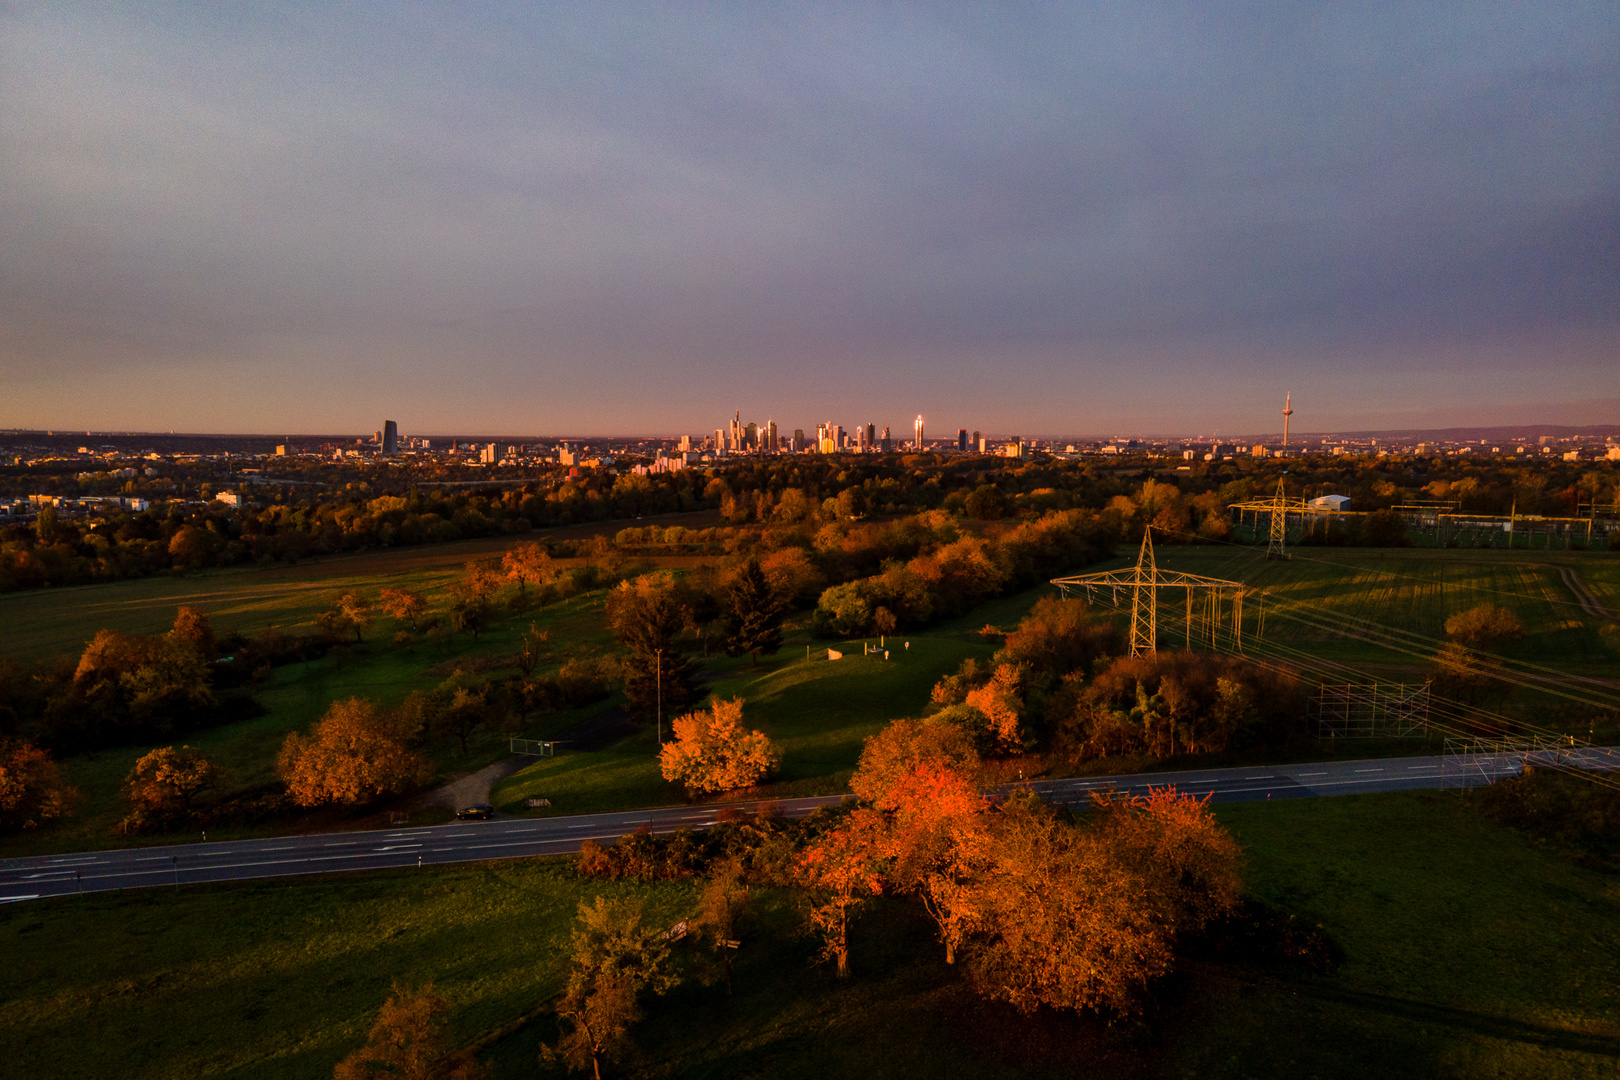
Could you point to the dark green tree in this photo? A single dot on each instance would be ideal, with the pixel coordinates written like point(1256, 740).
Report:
point(751, 614)
point(650, 616)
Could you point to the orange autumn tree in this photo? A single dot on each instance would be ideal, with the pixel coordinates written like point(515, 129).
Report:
point(889, 756)
point(1066, 924)
point(940, 843)
point(1192, 864)
point(1001, 700)
point(355, 754)
point(32, 791)
point(409, 1041)
point(713, 752)
point(1087, 917)
point(923, 776)
point(842, 868)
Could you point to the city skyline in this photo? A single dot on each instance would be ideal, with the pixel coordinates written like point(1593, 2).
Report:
point(1085, 220)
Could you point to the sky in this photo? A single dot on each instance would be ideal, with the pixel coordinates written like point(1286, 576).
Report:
point(1041, 219)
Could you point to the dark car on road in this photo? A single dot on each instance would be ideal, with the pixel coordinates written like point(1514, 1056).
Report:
point(476, 812)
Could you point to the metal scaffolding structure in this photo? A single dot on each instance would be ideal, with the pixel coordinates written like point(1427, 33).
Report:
point(1372, 710)
point(1209, 618)
point(1475, 762)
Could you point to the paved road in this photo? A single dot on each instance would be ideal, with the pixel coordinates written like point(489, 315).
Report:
point(55, 875)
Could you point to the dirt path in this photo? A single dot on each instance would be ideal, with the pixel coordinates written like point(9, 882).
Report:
point(1589, 603)
point(471, 789)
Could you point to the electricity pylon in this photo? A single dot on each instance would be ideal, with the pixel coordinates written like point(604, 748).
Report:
point(1144, 580)
point(1278, 507)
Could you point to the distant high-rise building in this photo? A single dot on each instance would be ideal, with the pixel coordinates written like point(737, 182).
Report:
point(686, 444)
point(961, 439)
point(490, 455)
point(751, 437)
point(871, 437)
point(918, 441)
point(798, 441)
point(376, 437)
point(888, 443)
point(281, 451)
point(390, 437)
point(770, 446)
point(980, 443)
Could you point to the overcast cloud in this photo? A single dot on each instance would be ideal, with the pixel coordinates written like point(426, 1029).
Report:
point(610, 218)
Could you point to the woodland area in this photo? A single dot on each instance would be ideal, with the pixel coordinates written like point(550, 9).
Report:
point(300, 523)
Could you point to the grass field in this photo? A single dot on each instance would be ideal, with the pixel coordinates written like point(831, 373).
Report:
point(1468, 952)
point(44, 623)
point(817, 711)
point(1414, 589)
point(297, 695)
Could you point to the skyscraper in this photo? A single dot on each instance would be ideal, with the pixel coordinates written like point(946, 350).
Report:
point(961, 439)
point(978, 442)
point(918, 442)
point(871, 437)
point(888, 443)
point(390, 437)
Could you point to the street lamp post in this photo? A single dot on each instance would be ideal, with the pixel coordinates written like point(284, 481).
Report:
point(658, 677)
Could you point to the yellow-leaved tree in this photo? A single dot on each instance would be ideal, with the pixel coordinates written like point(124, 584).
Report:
point(354, 754)
point(713, 752)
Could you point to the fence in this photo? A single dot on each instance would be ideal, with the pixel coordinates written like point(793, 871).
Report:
point(534, 748)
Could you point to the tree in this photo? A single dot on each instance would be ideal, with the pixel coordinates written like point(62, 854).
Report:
point(1172, 840)
point(889, 757)
point(193, 629)
point(472, 599)
point(842, 868)
point(985, 503)
point(615, 959)
point(1066, 924)
point(713, 752)
point(1484, 627)
point(166, 780)
point(721, 910)
point(530, 649)
point(528, 564)
point(32, 791)
point(647, 615)
point(1001, 702)
point(403, 605)
point(408, 1041)
point(466, 711)
point(752, 614)
point(349, 614)
point(940, 842)
point(354, 754)
point(1060, 635)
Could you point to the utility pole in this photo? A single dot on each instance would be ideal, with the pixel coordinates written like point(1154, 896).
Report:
point(659, 678)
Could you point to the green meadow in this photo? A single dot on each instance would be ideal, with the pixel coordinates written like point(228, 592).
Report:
point(817, 711)
point(1467, 951)
point(1409, 589)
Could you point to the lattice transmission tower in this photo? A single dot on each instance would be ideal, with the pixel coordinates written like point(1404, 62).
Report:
point(1214, 608)
point(1277, 508)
